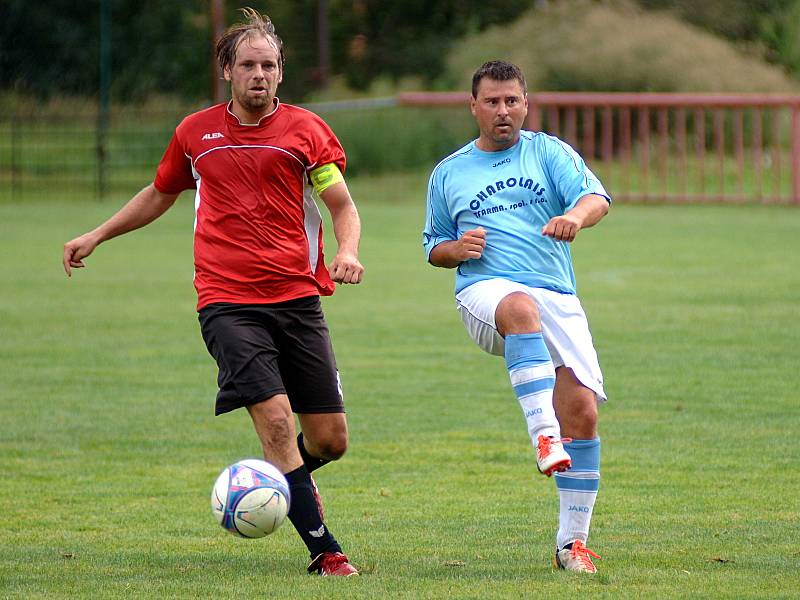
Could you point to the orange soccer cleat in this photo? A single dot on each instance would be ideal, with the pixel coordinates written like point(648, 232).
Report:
point(576, 557)
point(551, 456)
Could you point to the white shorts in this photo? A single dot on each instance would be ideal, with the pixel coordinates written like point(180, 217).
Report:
point(564, 326)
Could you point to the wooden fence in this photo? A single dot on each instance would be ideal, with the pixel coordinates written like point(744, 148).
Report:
point(672, 147)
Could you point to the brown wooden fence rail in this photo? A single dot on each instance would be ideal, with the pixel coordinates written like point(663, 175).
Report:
point(672, 147)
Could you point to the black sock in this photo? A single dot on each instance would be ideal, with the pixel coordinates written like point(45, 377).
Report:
point(304, 514)
point(312, 463)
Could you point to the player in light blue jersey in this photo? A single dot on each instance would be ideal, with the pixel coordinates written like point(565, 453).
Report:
point(502, 211)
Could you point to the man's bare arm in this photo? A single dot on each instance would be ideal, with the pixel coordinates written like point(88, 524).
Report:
point(451, 254)
point(587, 212)
point(145, 207)
point(345, 267)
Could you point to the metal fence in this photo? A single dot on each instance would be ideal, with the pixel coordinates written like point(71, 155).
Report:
point(645, 147)
point(56, 155)
point(69, 151)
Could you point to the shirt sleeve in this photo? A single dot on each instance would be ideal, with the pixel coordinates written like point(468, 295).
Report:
point(324, 147)
point(439, 225)
point(570, 175)
point(174, 172)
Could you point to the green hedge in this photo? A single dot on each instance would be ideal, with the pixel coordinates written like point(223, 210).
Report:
point(577, 45)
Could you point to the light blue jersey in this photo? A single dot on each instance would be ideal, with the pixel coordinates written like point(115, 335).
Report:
point(512, 194)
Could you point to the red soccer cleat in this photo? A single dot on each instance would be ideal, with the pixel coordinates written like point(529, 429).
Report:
point(332, 564)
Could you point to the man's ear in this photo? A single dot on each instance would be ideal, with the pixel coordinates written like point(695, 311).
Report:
point(226, 73)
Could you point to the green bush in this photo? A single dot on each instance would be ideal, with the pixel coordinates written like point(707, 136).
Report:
point(577, 45)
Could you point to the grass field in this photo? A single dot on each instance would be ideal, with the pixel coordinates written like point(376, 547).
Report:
point(109, 447)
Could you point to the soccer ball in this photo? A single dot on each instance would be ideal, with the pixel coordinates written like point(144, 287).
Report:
point(250, 498)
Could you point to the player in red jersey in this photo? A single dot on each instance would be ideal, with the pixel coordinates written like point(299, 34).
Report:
point(259, 267)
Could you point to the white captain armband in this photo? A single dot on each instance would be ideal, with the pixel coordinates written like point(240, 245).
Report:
point(325, 176)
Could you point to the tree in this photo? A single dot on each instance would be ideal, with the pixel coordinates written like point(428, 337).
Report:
point(773, 23)
point(407, 37)
point(53, 47)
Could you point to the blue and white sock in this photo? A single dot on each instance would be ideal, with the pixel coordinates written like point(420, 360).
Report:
point(533, 378)
point(577, 491)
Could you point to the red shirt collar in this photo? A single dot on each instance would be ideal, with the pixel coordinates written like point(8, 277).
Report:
point(235, 120)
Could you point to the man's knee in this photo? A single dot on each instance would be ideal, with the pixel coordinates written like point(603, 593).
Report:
point(332, 446)
point(517, 313)
point(279, 425)
point(273, 418)
point(579, 421)
point(325, 435)
point(576, 405)
point(586, 413)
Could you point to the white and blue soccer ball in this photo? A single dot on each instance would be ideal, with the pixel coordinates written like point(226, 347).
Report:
point(250, 498)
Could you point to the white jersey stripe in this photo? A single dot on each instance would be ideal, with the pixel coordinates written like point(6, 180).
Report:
point(196, 208)
point(202, 154)
point(312, 221)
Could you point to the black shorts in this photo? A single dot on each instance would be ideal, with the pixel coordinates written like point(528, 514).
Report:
point(267, 349)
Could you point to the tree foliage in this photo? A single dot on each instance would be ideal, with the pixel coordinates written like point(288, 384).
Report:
point(52, 47)
point(638, 50)
point(773, 23)
point(408, 37)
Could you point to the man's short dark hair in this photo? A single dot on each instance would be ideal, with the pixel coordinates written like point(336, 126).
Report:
point(499, 70)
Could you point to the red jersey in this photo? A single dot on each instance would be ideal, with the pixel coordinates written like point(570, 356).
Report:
point(258, 231)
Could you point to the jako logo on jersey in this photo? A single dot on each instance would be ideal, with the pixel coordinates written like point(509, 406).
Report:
point(574, 508)
point(502, 162)
point(535, 411)
point(212, 136)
